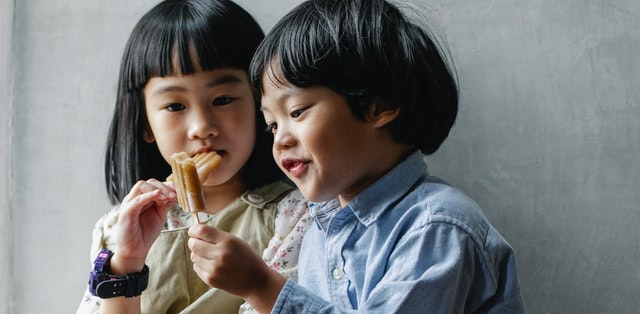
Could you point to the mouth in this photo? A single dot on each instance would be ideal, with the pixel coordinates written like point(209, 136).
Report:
point(206, 150)
point(295, 167)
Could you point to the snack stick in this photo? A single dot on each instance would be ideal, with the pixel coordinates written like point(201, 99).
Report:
point(187, 183)
point(188, 173)
point(205, 162)
point(176, 176)
point(192, 187)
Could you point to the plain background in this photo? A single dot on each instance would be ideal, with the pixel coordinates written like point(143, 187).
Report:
point(547, 140)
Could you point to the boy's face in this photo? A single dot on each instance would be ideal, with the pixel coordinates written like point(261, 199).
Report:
point(319, 143)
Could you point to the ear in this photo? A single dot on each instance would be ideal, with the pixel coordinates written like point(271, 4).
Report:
point(379, 116)
point(147, 135)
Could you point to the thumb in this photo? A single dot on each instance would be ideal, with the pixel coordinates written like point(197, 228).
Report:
point(206, 233)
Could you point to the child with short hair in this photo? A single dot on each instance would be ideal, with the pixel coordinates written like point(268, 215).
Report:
point(355, 95)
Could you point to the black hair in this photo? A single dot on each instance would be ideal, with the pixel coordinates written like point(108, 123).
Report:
point(223, 35)
point(371, 53)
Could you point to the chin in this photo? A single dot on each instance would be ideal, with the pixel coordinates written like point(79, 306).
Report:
point(314, 196)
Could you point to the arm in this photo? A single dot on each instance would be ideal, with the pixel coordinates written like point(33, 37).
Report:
point(225, 261)
point(142, 215)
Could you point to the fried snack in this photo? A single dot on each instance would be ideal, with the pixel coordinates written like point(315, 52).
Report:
point(206, 163)
point(188, 173)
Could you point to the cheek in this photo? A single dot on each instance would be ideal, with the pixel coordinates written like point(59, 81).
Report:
point(163, 135)
point(242, 130)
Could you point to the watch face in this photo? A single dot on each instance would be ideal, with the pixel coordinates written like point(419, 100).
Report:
point(103, 255)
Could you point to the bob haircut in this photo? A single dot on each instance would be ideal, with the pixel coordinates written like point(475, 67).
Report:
point(222, 35)
point(369, 52)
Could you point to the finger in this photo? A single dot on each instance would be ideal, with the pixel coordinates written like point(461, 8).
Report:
point(144, 190)
point(205, 270)
point(142, 202)
point(167, 188)
point(207, 233)
point(152, 185)
point(201, 249)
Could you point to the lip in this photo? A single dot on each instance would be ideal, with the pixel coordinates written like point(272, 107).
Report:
point(295, 167)
point(204, 150)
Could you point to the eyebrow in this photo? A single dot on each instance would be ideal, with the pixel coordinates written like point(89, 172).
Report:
point(225, 79)
point(288, 91)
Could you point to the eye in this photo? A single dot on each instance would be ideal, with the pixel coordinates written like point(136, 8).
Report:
point(272, 127)
point(221, 101)
point(296, 113)
point(175, 107)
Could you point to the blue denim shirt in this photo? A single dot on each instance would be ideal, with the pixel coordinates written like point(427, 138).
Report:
point(409, 243)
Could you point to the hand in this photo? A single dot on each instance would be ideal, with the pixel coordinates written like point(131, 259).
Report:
point(143, 213)
point(225, 261)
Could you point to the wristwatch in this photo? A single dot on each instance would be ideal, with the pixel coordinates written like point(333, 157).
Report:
point(105, 285)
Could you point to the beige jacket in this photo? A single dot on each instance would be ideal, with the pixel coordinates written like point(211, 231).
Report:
point(173, 285)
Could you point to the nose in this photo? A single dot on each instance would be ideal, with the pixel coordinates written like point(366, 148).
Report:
point(283, 138)
point(202, 124)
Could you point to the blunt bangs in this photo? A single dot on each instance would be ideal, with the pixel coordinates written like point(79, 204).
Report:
point(182, 37)
point(178, 37)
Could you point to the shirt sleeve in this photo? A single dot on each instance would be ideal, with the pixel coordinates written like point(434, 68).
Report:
point(294, 298)
point(102, 231)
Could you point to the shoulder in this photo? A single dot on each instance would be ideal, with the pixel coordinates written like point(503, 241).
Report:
point(293, 199)
point(434, 207)
point(439, 208)
point(438, 202)
point(266, 195)
point(293, 208)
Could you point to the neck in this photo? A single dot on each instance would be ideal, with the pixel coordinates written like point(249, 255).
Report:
point(389, 157)
point(218, 197)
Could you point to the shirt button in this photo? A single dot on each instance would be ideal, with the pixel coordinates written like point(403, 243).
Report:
point(337, 274)
point(255, 198)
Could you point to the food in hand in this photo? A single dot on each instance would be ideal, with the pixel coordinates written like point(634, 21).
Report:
point(188, 173)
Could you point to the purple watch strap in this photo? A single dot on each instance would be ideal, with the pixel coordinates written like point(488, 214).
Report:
point(100, 269)
point(104, 285)
point(130, 285)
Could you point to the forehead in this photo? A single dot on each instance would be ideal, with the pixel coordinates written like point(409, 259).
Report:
point(275, 87)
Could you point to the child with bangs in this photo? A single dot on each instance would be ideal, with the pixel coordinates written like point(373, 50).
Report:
point(184, 86)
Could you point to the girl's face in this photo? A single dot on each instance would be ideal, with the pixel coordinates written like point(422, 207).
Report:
point(321, 146)
point(203, 111)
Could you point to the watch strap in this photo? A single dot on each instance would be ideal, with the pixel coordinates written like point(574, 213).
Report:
point(130, 285)
point(105, 285)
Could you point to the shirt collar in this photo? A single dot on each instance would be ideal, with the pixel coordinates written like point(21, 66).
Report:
point(381, 195)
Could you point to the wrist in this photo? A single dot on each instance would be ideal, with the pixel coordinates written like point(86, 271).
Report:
point(264, 297)
point(121, 265)
point(104, 284)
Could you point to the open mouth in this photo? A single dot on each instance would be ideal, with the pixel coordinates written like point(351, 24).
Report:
point(295, 167)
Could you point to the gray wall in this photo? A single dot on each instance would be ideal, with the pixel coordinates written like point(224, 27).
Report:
point(546, 140)
point(6, 103)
